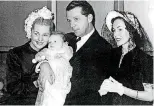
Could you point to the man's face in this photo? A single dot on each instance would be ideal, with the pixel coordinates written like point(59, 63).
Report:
point(79, 23)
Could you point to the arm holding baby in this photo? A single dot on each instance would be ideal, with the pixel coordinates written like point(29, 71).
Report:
point(42, 55)
point(45, 72)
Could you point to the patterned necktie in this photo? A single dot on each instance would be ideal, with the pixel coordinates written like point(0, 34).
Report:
point(78, 39)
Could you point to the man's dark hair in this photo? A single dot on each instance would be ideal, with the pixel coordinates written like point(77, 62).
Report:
point(86, 8)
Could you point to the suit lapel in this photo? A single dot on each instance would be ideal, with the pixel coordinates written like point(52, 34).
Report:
point(88, 44)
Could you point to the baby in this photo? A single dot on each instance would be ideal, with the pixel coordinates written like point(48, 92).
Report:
point(57, 55)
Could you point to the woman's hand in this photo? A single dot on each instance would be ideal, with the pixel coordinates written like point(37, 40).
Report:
point(111, 85)
point(46, 74)
point(116, 87)
point(43, 78)
point(148, 86)
point(103, 90)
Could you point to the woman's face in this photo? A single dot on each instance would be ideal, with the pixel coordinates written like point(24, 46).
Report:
point(40, 36)
point(121, 35)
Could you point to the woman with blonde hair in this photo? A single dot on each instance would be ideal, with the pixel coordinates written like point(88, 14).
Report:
point(21, 71)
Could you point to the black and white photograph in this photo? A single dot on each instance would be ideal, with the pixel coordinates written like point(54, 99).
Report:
point(76, 52)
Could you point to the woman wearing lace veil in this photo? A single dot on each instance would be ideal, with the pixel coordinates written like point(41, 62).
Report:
point(130, 79)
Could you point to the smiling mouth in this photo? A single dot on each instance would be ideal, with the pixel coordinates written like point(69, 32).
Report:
point(39, 43)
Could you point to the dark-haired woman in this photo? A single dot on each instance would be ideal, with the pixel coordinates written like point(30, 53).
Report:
point(130, 79)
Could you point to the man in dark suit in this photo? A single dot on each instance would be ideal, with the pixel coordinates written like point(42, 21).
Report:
point(91, 56)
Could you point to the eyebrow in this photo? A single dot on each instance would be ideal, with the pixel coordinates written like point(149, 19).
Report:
point(119, 26)
point(35, 31)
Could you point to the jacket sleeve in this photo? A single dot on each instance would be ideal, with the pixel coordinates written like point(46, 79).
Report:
point(147, 69)
point(13, 74)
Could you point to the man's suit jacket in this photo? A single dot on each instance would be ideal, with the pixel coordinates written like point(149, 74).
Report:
point(90, 64)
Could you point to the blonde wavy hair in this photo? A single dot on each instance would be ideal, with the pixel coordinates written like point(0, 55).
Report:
point(42, 16)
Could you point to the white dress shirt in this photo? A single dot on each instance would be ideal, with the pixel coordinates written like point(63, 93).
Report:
point(84, 39)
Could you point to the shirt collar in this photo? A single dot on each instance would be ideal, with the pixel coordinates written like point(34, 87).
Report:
point(85, 38)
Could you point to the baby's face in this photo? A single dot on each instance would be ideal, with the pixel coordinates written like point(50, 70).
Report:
point(55, 42)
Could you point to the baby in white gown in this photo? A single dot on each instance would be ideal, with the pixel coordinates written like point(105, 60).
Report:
point(57, 55)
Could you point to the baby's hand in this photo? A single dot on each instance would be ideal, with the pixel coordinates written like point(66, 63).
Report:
point(39, 57)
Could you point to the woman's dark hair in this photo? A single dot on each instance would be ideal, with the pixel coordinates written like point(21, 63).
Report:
point(134, 35)
point(43, 21)
point(86, 8)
